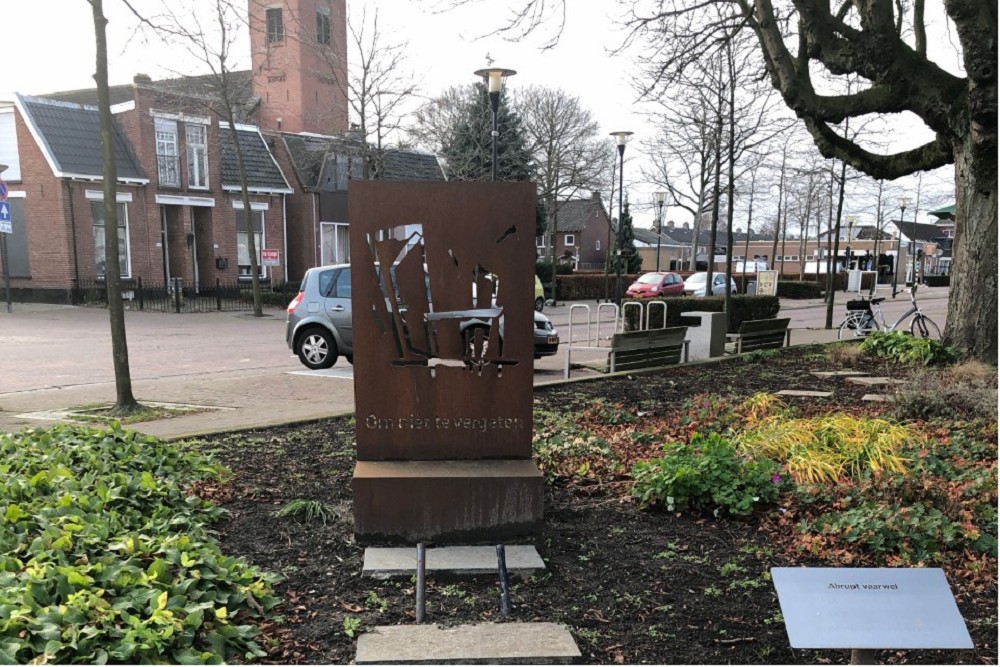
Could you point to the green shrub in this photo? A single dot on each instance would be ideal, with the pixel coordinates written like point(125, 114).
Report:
point(706, 473)
point(799, 290)
point(742, 308)
point(105, 555)
point(903, 348)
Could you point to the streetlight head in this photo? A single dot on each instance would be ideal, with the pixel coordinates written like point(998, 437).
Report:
point(660, 196)
point(904, 202)
point(622, 136)
point(494, 77)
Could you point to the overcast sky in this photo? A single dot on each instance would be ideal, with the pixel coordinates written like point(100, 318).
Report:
point(445, 47)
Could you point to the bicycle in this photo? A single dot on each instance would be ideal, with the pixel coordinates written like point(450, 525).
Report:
point(865, 316)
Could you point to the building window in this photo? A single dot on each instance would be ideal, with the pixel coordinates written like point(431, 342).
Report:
point(335, 247)
point(100, 251)
point(323, 26)
point(195, 137)
point(275, 25)
point(569, 240)
point(167, 163)
point(243, 242)
point(540, 241)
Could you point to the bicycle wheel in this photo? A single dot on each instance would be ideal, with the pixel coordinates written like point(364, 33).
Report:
point(924, 327)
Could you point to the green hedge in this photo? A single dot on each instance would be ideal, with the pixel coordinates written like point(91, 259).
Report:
point(937, 281)
point(743, 308)
point(797, 290)
point(591, 286)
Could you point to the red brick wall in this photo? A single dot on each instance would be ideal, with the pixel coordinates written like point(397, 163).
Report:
point(295, 81)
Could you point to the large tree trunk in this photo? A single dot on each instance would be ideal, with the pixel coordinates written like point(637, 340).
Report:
point(972, 307)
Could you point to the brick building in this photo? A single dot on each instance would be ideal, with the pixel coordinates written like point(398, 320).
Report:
point(180, 209)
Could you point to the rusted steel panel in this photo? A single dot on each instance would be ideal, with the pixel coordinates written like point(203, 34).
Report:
point(429, 383)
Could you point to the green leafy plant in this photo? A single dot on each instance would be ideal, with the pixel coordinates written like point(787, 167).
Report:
point(903, 348)
point(307, 511)
point(106, 555)
point(707, 473)
point(351, 625)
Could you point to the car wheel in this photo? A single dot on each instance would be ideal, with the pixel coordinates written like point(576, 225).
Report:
point(316, 349)
point(350, 358)
point(539, 304)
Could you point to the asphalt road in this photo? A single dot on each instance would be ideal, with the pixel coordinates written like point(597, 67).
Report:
point(56, 357)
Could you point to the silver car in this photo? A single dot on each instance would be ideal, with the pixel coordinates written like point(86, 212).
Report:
point(318, 325)
point(695, 284)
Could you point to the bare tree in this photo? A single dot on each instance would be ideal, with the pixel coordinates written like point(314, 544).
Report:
point(887, 47)
point(125, 402)
point(568, 152)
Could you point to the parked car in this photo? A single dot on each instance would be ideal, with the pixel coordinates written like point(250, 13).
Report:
point(539, 294)
point(656, 284)
point(318, 324)
point(695, 284)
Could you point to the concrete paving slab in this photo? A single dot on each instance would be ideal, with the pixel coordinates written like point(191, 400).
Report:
point(835, 374)
point(481, 643)
point(874, 381)
point(805, 393)
point(383, 562)
point(878, 398)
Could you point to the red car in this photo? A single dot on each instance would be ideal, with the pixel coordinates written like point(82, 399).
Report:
point(656, 285)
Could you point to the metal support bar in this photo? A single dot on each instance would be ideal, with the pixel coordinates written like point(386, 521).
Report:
point(421, 569)
point(862, 656)
point(504, 582)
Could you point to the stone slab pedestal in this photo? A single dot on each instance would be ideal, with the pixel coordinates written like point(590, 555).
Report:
point(439, 501)
point(483, 643)
point(707, 333)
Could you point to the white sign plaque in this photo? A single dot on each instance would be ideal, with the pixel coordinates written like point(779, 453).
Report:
point(767, 283)
point(869, 608)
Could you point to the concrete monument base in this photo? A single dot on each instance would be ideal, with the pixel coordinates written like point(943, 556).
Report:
point(446, 501)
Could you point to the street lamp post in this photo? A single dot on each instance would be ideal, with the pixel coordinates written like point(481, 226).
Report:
point(903, 203)
point(913, 250)
point(622, 137)
point(660, 196)
point(494, 82)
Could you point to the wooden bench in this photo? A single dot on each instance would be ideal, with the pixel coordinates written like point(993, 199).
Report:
point(648, 349)
point(761, 335)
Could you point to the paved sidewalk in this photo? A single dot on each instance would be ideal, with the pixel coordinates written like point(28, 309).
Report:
point(262, 386)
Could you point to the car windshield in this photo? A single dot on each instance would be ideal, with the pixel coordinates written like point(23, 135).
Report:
point(698, 278)
point(650, 279)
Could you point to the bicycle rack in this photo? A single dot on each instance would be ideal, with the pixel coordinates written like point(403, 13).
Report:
point(593, 335)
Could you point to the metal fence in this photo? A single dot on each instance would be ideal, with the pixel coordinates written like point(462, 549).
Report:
point(176, 297)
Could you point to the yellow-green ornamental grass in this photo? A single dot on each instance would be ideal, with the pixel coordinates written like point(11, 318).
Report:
point(821, 449)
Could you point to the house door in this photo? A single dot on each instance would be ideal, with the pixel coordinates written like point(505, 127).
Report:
point(204, 248)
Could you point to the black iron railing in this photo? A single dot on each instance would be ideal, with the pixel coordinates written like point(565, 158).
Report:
point(177, 297)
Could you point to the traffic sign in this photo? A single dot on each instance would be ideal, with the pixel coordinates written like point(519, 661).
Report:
point(3, 190)
point(5, 224)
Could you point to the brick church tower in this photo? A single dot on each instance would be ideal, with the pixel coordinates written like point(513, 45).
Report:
point(299, 56)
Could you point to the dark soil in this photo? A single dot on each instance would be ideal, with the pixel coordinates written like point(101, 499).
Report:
point(633, 585)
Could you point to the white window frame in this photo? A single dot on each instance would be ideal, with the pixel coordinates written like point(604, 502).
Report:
point(597, 245)
point(569, 240)
point(540, 241)
point(165, 132)
point(197, 156)
point(340, 255)
point(121, 200)
point(260, 240)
